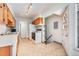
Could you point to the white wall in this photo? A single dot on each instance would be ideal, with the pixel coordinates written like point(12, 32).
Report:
point(20, 19)
point(57, 33)
point(65, 30)
point(57, 9)
point(70, 42)
point(72, 28)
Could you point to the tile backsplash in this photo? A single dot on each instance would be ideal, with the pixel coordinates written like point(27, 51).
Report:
point(4, 29)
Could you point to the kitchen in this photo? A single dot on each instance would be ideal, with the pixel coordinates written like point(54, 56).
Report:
point(22, 29)
point(8, 37)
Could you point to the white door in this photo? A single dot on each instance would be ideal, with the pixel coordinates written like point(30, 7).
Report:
point(57, 30)
point(23, 29)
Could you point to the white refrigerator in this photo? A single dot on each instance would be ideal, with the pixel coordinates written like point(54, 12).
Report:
point(31, 29)
point(38, 37)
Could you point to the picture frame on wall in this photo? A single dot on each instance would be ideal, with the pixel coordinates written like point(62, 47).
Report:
point(56, 25)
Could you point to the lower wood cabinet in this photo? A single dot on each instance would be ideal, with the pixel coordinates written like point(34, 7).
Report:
point(6, 51)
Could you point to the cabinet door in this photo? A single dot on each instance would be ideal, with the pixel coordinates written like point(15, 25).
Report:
point(1, 12)
point(6, 51)
point(5, 13)
point(11, 19)
point(38, 21)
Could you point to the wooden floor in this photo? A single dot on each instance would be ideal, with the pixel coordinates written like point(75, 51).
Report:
point(29, 48)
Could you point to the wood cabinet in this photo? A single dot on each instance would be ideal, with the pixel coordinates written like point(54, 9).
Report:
point(6, 15)
point(6, 51)
point(1, 12)
point(10, 18)
point(37, 21)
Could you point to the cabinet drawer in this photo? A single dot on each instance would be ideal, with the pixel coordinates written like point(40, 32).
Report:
point(6, 51)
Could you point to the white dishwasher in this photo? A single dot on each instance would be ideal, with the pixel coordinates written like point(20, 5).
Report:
point(38, 37)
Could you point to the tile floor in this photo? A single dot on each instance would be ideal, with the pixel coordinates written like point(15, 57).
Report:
point(29, 48)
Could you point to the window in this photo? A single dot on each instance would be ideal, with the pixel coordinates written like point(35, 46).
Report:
point(78, 30)
point(56, 25)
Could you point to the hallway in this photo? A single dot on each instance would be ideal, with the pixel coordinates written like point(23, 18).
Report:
point(28, 48)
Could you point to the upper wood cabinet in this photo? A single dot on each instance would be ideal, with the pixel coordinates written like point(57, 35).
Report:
point(11, 20)
point(38, 21)
point(6, 15)
point(1, 12)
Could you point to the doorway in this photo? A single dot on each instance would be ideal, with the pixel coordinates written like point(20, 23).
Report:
point(23, 30)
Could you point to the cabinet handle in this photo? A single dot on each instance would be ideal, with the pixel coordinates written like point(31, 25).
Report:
point(3, 19)
point(0, 6)
point(4, 5)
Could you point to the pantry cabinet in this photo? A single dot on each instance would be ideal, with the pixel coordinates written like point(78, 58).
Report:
point(6, 15)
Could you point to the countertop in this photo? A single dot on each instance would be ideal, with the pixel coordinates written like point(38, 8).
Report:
point(9, 39)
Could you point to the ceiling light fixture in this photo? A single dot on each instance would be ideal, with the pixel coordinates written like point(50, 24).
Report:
point(28, 8)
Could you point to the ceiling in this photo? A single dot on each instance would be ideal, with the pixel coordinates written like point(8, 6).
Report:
point(20, 9)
